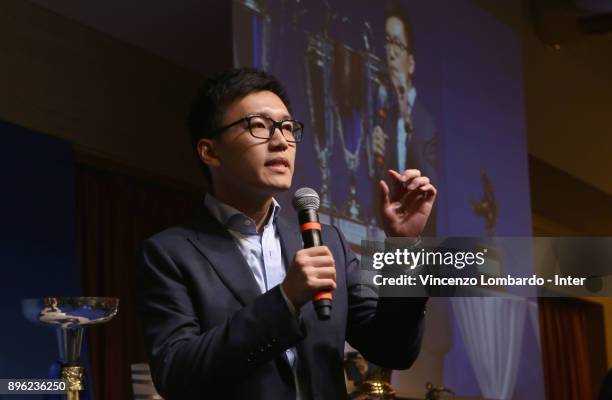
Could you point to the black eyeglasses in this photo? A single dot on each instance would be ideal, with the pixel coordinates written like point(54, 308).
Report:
point(395, 44)
point(262, 127)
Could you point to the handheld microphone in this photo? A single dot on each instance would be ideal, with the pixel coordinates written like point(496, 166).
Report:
point(381, 107)
point(306, 202)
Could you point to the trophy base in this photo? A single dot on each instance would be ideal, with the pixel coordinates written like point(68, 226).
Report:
point(73, 376)
point(376, 389)
point(72, 395)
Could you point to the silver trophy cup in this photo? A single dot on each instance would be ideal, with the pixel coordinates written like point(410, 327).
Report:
point(318, 90)
point(70, 315)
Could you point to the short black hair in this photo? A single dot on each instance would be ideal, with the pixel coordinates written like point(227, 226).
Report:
point(217, 93)
point(394, 9)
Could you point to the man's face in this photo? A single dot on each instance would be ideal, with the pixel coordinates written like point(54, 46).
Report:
point(399, 59)
point(265, 166)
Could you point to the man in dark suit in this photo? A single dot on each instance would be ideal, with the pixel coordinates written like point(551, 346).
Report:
point(225, 299)
point(408, 137)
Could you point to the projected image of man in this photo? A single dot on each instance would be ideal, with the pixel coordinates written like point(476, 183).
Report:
point(408, 138)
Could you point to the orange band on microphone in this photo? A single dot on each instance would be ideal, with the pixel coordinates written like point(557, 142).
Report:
point(322, 295)
point(310, 226)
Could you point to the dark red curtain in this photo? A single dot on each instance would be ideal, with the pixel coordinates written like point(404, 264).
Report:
point(571, 347)
point(116, 212)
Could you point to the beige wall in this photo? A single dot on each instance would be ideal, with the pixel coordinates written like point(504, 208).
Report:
point(568, 97)
point(568, 103)
point(111, 100)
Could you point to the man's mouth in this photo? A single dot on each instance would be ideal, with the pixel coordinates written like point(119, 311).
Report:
point(279, 164)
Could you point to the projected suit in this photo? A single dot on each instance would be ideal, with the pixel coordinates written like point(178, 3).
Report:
point(417, 149)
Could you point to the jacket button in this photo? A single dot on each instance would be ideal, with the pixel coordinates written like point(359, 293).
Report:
point(249, 360)
point(269, 346)
point(261, 349)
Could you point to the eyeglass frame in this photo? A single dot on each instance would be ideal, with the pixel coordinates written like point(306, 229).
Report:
point(275, 125)
point(397, 43)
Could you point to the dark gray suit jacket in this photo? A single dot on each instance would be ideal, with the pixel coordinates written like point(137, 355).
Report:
point(210, 333)
point(422, 154)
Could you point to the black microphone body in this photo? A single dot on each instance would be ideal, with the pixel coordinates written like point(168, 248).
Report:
point(310, 237)
point(306, 205)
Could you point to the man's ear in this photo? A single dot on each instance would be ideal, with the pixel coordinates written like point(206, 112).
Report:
point(411, 63)
point(207, 154)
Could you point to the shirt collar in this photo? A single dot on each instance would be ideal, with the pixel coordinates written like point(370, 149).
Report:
point(235, 220)
point(412, 97)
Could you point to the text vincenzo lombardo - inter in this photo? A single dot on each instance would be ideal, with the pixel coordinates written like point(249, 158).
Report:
point(458, 260)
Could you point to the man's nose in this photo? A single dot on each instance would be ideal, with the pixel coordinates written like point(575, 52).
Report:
point(278, 139)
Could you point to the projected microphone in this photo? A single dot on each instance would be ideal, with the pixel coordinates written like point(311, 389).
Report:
point(306, 202)
point(381, 111)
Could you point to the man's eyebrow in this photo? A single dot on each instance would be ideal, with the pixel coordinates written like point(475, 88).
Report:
point(265, 114)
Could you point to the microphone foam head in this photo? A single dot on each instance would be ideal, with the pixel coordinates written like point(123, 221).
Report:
point(306, 198)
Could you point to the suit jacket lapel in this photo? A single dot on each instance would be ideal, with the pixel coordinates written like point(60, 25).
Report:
point(290, 238)
point(217, 245)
